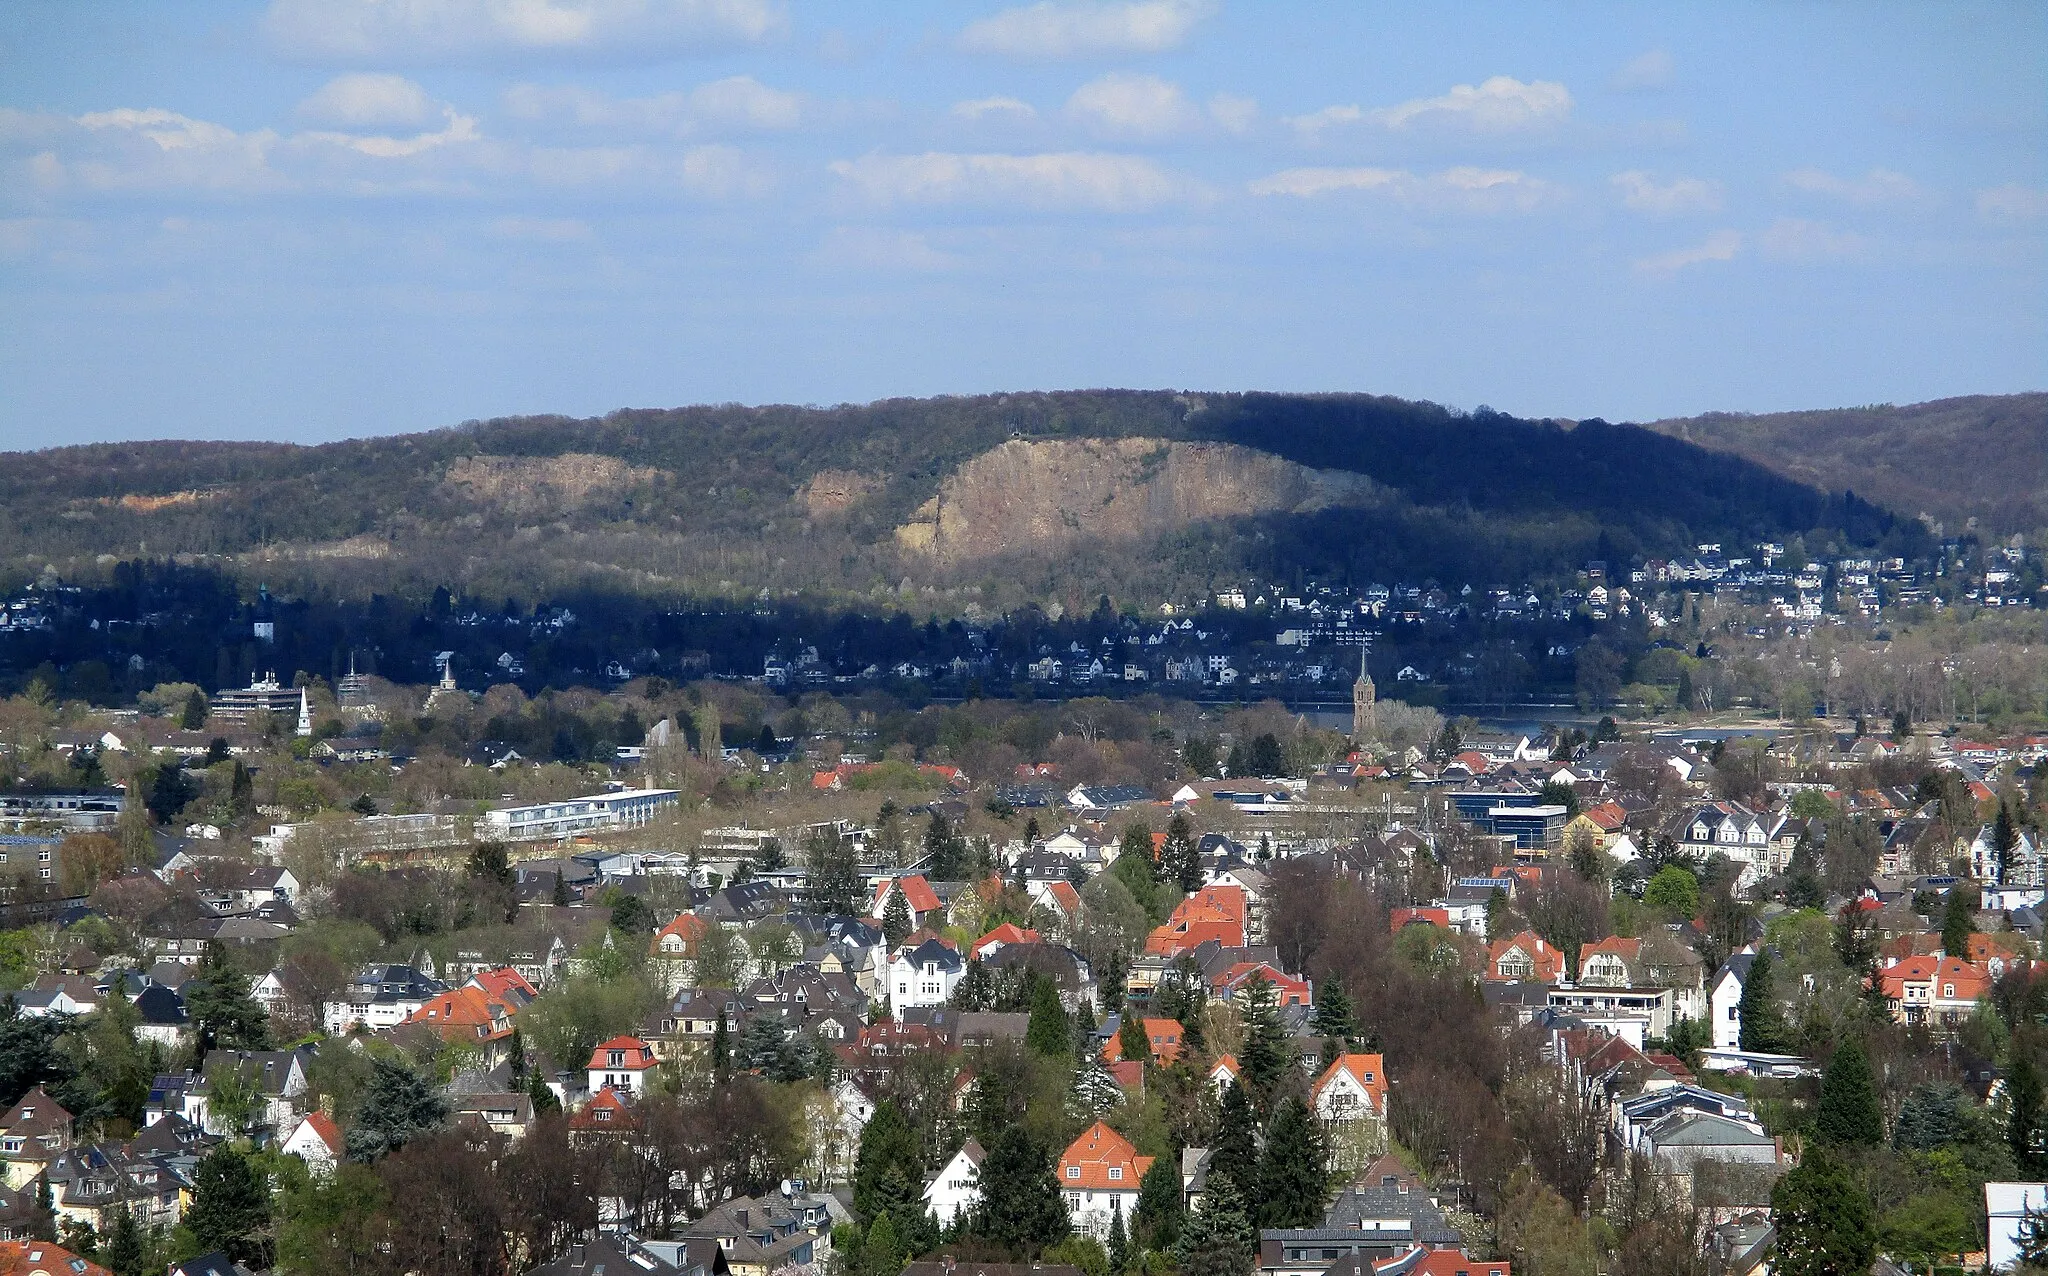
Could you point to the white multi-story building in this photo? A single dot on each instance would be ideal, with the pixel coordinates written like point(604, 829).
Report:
point(552, 821)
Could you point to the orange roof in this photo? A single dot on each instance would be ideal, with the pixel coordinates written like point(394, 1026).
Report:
point(1129, 1074)
point(1404, 917)
point(1608, 816)
point(1547, 962)
point(1066, 896)
point(685, 931)
point(1369, 1071)
point(465, 1014)
point(1214, 912)
point(1626, 949)
point(917, 892)
point(1089, 1161)
point(1967, 981)
point(325, 1130)
point(45, 1258)
point(1002, 936)
point(1163, 1034)
point(1226, 1065)
point(637, 1055)
point(607, 1109)
point(505, 984)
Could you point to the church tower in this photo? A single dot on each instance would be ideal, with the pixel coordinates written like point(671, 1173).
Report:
point(1364, 712)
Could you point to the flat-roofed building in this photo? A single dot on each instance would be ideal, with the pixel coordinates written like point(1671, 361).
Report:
point(553, 821)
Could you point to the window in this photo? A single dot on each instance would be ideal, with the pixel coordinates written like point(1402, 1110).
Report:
point(1073, 1171)
point(1116, 1173)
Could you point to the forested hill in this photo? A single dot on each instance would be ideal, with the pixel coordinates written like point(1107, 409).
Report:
point(856, 499)
point(1982, 457)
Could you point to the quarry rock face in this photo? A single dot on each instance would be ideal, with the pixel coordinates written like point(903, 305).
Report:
point(1047, 493)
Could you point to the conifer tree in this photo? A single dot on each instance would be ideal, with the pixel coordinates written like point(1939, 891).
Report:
point(1219, 1240)
point(1265, 1039)
point(230, 1205)
point(896, 920)
point(1130, 1038)
point(1119, 1241)
point(124, 1252)
point(1848, 1111)
point(887, 1162)
point(2023, 1098)
point(1049, 1033)
point(1235, 1149)
point(1156, 1220)
point(1763, 1024)
point(721, 1047)
point(1179, 859)
point(1824, 1220)
point(1293, 1187)
point(2005, 839)
point(1333, 1014)
point(1020, 1207)
point(1957, 925)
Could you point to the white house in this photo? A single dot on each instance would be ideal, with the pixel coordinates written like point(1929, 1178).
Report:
point(1724, 1001)
point(622, 1064)
point(955, 1190)
point(2006, 1206)
point(923, 976)
point(1352, 1088)
point(316, 1141)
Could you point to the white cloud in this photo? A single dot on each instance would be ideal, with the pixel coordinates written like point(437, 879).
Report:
point(871, 248)
point(1138, 106)
point(1073, 179)
point(1643, 193)
point(1880, 186)
point(1463, 189)
point(1792, 239)
point(368, 101)
point(1050, 30)
point(1645, 71)
point(976, 108)
point(1722, 245)
point(1232, 113)
point(2012, 203)
point(738, 102)
point(1502, 104)
point(156, 149)
point(459, 128)
point(417, 31)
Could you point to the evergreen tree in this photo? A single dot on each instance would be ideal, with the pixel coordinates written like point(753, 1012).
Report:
point(896, 922)
point(560, 897)
point(944, 852)
point(1179, 859)
point(1824, 1220)
point(1234, 1152)
point(888, 1172)
point(230, 1206)
point(194, 715)
point(881, 1251)
point(544, 1100)
point(1110, 985)
point(1802, 875)
point(221, 1011)
point(1848, 1110)
point(1333, 1014)
point(487, 863)
point(1020, 1207)
point(1119, 1241)
point(1293, 1187)
point(399, 1106)
point(1934, 1115)
point(1265, 1038)
point(768, 857)
point(1763, 1023)
point(1219, 1240)
point(1156, 1220)
point(2005, 839)
point(124, 1254)
point(1049, 1034)
point(833, 874)
point(1957, 925)
point(721, 1047)
point(1136, 841)
point(2023, 1108)
point(1130, 1037)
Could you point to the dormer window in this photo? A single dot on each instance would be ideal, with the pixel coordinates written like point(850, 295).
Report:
point(1073, 1171)
point(1116, 1173)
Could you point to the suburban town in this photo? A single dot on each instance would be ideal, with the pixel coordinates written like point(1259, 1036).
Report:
point(787, 982)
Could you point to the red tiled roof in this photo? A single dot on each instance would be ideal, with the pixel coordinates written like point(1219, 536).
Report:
point(1098, 1151)
point(638, 1055)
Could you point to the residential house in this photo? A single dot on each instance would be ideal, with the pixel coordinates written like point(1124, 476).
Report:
point(317, 1141)
point(1524, 957)
point(955, 1190)
point(621, 1064)
point(33, 1133)
point(1353, 1088)
point(45, 1258)
point(1217, 913)
point(1099, 1173)
point(1940, 992)
point(381, 996)
point(923, 976)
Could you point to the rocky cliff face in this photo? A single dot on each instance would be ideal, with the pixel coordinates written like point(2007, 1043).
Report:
point(1046, 494)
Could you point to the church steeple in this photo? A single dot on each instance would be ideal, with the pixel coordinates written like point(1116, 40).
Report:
point(1364, 703)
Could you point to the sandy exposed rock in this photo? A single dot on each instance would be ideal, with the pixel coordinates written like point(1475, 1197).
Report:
point(542, 484)
point(832, 491)
point(1047, 493)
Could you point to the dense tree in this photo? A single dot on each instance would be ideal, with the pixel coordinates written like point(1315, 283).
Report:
point(1156, 1220)
point(2023, 1102)
point(1020, 1209)
point(399, 1106)
point(1234, 1151)
point(1848, 1111)
point(834, 873)
point(888, 1173)
point(1293, 1187)
point(1763, 1022)
point(1264, 1057)
point(1050, 1032)
point(230, 1207)
point(1958, 923)
point(1824, 1220)
point(1179, 861)
point(221, 1010)
point(1674, 892)
point(1219, 1239)
point(1333, 1017)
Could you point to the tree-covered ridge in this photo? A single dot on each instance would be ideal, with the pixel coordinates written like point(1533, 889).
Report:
point(712, 499)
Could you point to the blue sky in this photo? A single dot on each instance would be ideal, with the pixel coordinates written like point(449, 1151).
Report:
point(312, 219)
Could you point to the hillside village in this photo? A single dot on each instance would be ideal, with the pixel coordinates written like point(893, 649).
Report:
point(1079, 983)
